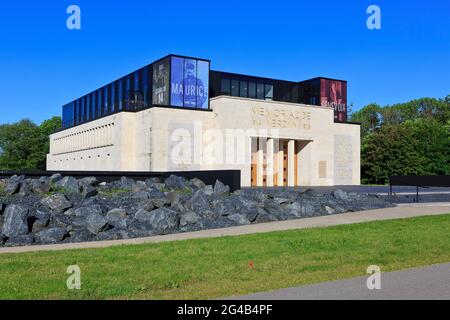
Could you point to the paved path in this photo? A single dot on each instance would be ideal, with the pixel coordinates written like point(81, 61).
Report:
point(427, 283)
point(324, 221)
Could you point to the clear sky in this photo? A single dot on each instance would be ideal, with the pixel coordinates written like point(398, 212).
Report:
point(43, 65)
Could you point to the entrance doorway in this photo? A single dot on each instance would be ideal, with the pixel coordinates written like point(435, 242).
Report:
point(280, 164)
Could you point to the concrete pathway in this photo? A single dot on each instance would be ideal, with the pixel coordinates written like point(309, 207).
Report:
point(427, 283)
point(324, 221)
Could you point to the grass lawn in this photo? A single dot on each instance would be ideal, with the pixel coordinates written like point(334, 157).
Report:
point(211, 268)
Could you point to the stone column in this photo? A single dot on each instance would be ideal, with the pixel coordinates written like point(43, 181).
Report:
point(259, 167)
point(269, 162)
point(291, 163)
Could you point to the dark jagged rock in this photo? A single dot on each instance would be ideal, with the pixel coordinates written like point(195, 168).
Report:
point(52, 235)
point(220, 189)
point(87, 190)
point(340, 194)
point(25, 188)
point(196, 184)
point(163, 220)
point(126, 183)
point(57, 203)
point(38, 221)
point(68, 184)
point(85, 210)
point(158, 198)
point(92, 181)
point(40, 186)
point(19, 241)
point(55, 178)
point(15, 221)
point(13, 185)
point(176, 182)
point(96, 223)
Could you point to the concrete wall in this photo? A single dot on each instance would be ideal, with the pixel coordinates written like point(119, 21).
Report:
point(164, 139)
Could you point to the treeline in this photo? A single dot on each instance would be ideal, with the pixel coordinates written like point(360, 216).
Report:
point(24, 145)
point(411, 138)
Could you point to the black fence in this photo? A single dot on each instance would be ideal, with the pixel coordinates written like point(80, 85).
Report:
point(418, 182)
point(232, 178)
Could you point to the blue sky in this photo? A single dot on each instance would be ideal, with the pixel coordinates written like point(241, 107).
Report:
point(43, 65)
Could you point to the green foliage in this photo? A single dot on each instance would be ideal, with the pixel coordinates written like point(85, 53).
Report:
point(24, 145)
point(369, 117)
point(405, 139)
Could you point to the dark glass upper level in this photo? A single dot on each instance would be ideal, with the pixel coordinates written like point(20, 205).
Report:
point(185, 82)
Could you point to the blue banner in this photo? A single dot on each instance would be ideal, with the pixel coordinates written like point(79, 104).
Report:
point(189, 83)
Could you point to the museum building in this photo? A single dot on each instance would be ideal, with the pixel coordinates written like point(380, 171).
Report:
point(178, 115)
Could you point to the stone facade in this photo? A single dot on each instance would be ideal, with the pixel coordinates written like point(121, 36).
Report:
point(272, 143)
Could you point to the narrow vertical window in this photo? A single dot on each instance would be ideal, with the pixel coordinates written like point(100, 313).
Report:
point(225, 87)
point(235, 88)
point(105, 100)
point(243, 88)
point(252, 90)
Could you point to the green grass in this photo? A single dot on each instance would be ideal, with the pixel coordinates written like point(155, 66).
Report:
point(211, 268)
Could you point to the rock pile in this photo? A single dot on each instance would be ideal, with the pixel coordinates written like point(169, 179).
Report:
point(63, 209)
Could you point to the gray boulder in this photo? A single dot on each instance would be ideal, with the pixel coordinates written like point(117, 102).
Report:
point(55, 178)
point(40, 186)
point(208, 190)
point(87, 190)
point(13, 185)
point(141, 195)
point(81, 235)
point(199, 202)
point(25, 188)
point(57, 203)
point(197, 183)
point(60, 221)
point(340, 194)
point(139, 186)
point(38, 221)
point(108, 235)
point(19, 241)
point(86, 210)
point(79, 223)
point(68, 184)
point(220, 189)
point(176, 182)
point(15, 221)
point(238, 219)
point(117, 212)
point(126, 183)
point(301, 209)
point(117, 218)
point(96, 223)
point(163, 220)
point(158, 198)
point(189, 217)
point(173, 198)
point(51, 235)
point(92, 181)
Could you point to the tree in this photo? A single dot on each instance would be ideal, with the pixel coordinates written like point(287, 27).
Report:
point(415, 147)
point(25, 145)
point(369, 117)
